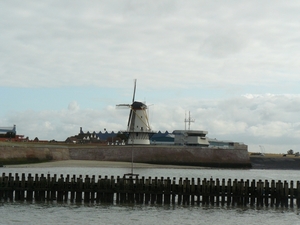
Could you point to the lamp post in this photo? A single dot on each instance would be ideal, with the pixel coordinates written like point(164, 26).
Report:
point(132, 157)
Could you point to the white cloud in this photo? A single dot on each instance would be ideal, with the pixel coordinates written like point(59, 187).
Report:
point(216, 44)
point(73, 106)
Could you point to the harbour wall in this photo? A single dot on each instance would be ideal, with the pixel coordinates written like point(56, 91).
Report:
point(283, 163)
point(172, 155)
point(168, 155)
point(21, 153)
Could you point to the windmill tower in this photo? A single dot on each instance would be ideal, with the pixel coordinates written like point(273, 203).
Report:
point(138, 127)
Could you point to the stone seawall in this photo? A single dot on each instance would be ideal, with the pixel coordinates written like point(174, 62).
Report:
point(26, 154)
point(168, 155)
point(283, 163)
point(192, 156)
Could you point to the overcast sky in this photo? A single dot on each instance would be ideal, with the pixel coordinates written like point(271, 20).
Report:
point(233, 64)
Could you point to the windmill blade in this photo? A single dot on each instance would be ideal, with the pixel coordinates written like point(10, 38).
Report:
point(134, 91)
point(129, 118)
point(123, 106)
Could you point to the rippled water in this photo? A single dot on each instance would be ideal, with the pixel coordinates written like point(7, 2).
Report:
point(22, 213)
point(69, 213)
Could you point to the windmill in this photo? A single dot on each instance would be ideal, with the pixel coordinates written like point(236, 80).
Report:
point(138, 127)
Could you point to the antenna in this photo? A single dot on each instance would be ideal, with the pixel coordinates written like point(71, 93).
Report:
point(188, 120)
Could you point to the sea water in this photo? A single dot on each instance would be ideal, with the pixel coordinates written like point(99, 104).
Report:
point(71, 213)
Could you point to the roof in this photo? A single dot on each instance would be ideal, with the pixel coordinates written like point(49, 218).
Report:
point(138, 105)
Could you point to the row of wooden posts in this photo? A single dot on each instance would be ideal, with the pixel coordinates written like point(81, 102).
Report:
point(162, 191)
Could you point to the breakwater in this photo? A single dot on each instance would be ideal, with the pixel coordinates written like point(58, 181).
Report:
point(160, 191)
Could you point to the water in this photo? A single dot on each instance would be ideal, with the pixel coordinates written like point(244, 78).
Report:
point(71, 213)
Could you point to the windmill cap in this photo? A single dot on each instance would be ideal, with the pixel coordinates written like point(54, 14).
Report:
point(138, 105)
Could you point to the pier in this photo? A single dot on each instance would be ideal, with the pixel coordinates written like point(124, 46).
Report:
point(130, 189)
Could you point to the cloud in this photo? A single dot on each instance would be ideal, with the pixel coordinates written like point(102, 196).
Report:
point(196, 56)
point(216, 44)
point(73, 106)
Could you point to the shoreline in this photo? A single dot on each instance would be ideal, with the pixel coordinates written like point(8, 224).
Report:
point(99, 164)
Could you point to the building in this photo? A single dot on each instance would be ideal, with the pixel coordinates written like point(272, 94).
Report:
point(10, 134)
point(96, 138)
point(191, 138)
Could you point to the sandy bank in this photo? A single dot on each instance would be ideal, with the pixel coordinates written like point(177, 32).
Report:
point(91, 163)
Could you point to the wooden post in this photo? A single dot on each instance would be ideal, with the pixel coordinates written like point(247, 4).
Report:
point(112, 189)
point(67, 188)
point(278, 193)
point(17, 187)
point(5, 186)
point(167, 191)
point(153, 191)
point(281, 194)
point(198, 191)
point(36, 192)
point(10, 187)
point(253, 193)
point(98, 187)
point(53, 187)
point(1, 185)
point(204, 192)
point(22, 189)
point(298, 194)
point(267, 193)
point(193, 192)
point(223, 192)
point(212, 192)
point(73, 188)
point(286, 194)
point(246, 193)
point(43, 186)
point(159, 191)
point(234, 192)
point(142, 190)
point(229, 192)
point(79, 185)
point(29, 197)
point(217, 191)
point(86, 187)
point(184, 192)
point(59, 188)
point(122, 190)
point(272, 193)
point(147, 191)
point(174, 191)
point(258, 193)
point(241, 192)
point(291, 194)
point(180, 191)
point(118, 190)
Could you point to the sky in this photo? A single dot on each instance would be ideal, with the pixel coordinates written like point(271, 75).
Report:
point(234, 65)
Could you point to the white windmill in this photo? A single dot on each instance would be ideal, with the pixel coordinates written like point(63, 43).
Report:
point(138, 127)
